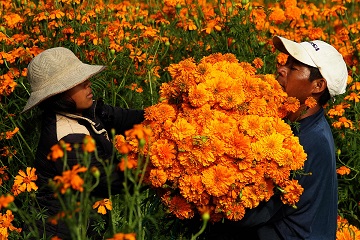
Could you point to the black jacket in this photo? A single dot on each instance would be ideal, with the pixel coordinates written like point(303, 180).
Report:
point(98, 121)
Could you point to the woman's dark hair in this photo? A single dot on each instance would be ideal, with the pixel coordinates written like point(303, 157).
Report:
point(315, 74)
point(59, 103)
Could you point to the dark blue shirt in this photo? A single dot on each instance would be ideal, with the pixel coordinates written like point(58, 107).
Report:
point(316, 213)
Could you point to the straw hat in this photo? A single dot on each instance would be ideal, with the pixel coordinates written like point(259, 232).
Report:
point(321, 55)
point(54, 71)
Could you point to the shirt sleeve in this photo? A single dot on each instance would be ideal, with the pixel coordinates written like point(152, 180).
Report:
point(118, 118)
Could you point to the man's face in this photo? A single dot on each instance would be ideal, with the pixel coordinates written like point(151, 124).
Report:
point(294, 79)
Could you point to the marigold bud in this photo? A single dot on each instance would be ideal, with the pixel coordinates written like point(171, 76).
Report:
point(95, 172)
point(206, 216)
point(142, 142)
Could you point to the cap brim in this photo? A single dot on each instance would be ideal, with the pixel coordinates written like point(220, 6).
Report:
point(294, 49)
point(73, 77)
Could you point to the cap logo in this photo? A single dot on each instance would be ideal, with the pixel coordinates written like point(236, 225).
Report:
point(314, 46)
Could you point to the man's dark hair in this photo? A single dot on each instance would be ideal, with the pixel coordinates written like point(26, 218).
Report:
point(59, 103)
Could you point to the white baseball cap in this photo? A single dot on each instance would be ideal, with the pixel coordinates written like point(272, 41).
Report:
point(321, 55)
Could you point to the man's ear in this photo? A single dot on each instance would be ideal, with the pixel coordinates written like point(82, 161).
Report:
point(319, 85)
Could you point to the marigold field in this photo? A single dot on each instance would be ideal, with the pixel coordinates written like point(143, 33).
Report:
point(167, 57)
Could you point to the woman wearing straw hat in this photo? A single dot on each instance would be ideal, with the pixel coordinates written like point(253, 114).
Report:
point(60, 86)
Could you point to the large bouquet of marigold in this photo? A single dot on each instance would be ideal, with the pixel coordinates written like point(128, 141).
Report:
point(219, 143)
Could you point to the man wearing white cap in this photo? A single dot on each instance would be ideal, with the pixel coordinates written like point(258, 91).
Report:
point(313, 69)
point(60, 86)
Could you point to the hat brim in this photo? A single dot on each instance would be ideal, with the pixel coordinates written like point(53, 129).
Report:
point(74, 76)
point(294, 49)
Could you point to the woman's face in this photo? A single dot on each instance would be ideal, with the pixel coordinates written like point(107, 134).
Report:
point(82, 95)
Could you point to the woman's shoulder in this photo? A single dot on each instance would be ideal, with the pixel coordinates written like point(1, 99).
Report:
point(67, 126)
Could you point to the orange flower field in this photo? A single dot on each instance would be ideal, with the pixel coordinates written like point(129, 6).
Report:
point(213, 143)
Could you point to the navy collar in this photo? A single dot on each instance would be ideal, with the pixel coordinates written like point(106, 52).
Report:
point(304, 124)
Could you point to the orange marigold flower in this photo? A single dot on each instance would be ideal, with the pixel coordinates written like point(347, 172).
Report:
point(180, 208)
point(123, 236)
point(346, 231)
point(6, 200)
point(57, 151)
point(355, 86)
point(71, 179)
point(292, 104)
point(192, 188)
point(139, 90)
point(183, 68)
point(6, 224)
point(12, 19)
point(291, 192)
point(26, 181)
point(160, 112)
point(282, 58)
point(157, 177)
point(56, 14)
point(9, 134)
point(127, 162)
point(258, 63)
point(343, 170)
point(8, 84)
point(299, 156)
point(249, 197)
point(338, 110)
point(102, 205)
point(217, 179)
point(277, 15)
point(189, 25)
point(162, 153)
point(273, 145)
point(15, 190)
point(352, 97)
point(199, 95)
point(293, 13)
point(181, 129)
point(89, 144)
point(235, 212)
point(122, 145)
point(258, 17)
point(343, 122)
point(139, 131)
point(310, 102)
